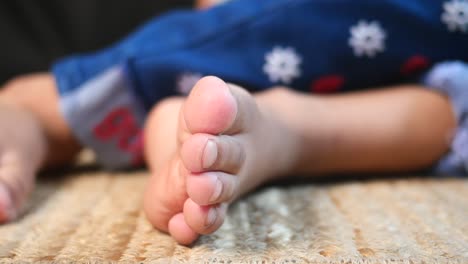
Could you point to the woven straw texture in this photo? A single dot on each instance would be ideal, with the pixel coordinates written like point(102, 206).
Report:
point(96, 217)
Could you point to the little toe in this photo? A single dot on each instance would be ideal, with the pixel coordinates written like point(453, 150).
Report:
point(212, 187)
point(204, 152)
point(204, 219)
point(180, 231)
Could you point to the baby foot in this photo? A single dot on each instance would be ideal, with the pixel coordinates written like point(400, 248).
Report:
point(22, 149)
point(228, 144)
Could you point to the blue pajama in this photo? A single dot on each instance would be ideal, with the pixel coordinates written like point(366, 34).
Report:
point(317, 46)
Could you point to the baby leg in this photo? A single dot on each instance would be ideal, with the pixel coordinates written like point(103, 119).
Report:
point(226, 142)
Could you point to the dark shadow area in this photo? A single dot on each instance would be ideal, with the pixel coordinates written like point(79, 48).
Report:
point(36, 33)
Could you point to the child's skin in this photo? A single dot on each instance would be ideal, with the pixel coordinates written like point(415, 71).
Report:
point(253, 140)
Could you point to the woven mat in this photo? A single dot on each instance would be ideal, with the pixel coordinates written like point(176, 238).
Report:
point(96, 217)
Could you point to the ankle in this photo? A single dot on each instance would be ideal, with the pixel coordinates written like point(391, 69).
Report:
point(305, 130)
point(284, 145)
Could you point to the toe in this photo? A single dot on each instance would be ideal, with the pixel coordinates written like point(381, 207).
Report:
point(180, 231)
point(203, 152)
point(204, 219)
point(214, 107)
point(210, 107)
point(6, 205)
point(16, 182)
point(212, 187)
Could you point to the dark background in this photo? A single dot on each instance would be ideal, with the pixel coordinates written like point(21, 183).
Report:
point(35, 33)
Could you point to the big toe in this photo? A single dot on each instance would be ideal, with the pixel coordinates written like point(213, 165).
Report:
point(214, 107)
point(210, 107)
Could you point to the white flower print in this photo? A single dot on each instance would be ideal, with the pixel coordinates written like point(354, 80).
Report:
point(186, 81)
point(282, 65)
point(367, 38)
point(455, 15)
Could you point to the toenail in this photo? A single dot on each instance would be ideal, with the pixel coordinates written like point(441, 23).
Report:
point(211, 217)
point(217, 191)
point(210, 153)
